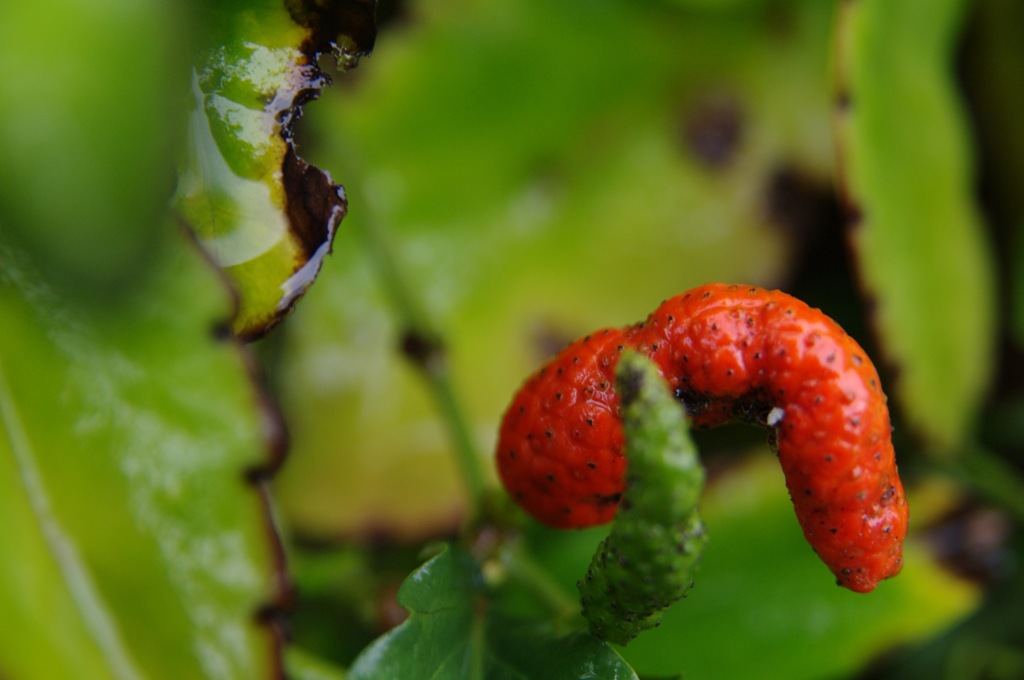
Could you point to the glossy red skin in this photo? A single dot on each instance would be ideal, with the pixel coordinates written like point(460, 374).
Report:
point(734, 351)
point(560, 451)
point(727, 342)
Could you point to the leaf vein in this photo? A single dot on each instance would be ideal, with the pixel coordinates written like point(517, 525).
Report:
point(83, 591)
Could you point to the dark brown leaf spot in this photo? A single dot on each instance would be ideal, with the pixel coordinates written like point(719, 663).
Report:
point(713, 130)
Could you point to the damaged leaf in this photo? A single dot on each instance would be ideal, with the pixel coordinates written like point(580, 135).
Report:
point(266, 216)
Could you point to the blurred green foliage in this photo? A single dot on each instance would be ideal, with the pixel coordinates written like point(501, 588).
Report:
point(518, 173)
point(531, 195)
point(92, 95)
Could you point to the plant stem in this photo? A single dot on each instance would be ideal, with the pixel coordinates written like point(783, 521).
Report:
point(462, 442)
point(425, 349)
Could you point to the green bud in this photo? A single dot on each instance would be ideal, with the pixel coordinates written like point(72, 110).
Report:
point(648, 560)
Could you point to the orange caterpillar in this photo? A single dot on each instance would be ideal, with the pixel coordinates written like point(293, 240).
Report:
point(730, 352)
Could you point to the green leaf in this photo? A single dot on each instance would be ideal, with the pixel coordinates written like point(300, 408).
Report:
point(907, 168)
point(265, 215)
point(764, 605)
point(526, 651)
point(451, 633)
point(89, 125)
point(443, 636)
point(650, 557)
point(302, 666)
point(135, 547)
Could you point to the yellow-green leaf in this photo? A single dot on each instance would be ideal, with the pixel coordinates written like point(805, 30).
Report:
point(907, 168)
point(264, 214)
point(135, 545)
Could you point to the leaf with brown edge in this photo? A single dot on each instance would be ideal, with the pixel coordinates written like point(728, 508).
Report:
point(906, 169)
point(139, 535)
point(266, 216)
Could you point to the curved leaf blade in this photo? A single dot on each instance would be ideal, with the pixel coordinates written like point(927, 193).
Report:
point(25, 583)
point(125, 434)
point(906, 165)
point(265, 215)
